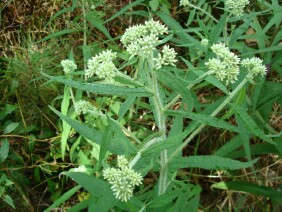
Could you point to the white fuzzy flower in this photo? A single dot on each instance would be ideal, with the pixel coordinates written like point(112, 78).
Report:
point(204, 42)
point(184, 3)
point(254, 66)
point(123, 179)
point(236, 7)
point(226, 66)
point(142, 39)
point(81, 107)
point(68, 66)
point(102, 65)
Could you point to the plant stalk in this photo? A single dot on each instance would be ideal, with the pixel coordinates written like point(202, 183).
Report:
point(161, 123)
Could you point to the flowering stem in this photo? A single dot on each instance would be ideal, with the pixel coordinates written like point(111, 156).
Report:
point(214, 113)
point(160, 121)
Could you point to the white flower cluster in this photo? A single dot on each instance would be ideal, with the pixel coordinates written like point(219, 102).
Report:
point(142, 40)
point(81, 107)
point(226, 65)
point(254, 66)
point(236, 7)
point(204, 42)
point(122, 179)
point(166, 58)
point(184, 3)
point(102, 65)
point(68, 66)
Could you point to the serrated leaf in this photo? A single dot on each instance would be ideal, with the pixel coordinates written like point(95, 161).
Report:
point(209, 162)
point(102, 88)
point(82, 129)
point(171, 81)
point(250, 125)
point(207, 120)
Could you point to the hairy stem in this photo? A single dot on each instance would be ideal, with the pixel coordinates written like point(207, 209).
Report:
point(161, 123)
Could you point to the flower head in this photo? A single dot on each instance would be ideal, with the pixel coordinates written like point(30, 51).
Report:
point(204, 42)
point(254, 66)
point(102, 65)
point(81, 107)
point(184, 3)
point(226, 66)
point(143, 39)
point(236, 7)
point(68, 66)
point(123, 179)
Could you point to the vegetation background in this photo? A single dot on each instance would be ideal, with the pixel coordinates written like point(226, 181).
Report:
point(35, 35)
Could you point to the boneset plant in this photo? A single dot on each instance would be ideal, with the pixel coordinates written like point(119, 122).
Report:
point(157, 82)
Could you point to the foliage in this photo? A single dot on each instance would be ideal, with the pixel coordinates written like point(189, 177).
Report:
point(169, 92)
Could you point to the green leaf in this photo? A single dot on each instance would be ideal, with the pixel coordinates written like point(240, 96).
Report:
point(98, 23)
point(178, 29)
point(9, 201)
point(164, 199)
point(4, 150)
point(102, 88)
point(11, 127)
point(173, 82)
point(229, 147)
point(8, 109)
point(250, 125)
point(162, 145)
point(95, 186)
point(106, 139)
point(206, 119)
point(274, 195)
point(154, 4)
point(257, 149)
point(209, 162)
point(217, 30)
point(125, 106)
point(63, 198)
point(82, 129)
point(65, 127)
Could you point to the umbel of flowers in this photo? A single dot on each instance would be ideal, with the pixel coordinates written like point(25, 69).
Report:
point(123, 179)
point(236, 7)
point(102, 65)
point(142, 40)
point(225, 66)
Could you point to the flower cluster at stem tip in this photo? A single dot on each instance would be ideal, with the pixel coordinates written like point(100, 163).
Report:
point(123, 179)
point(226, 65)
point(236, 7)
point(226, 68)
point(142, 40)
point(102, 65)
point(184, 3)
point(68, 66)
point(82, 107)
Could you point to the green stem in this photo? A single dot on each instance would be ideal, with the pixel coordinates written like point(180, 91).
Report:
point(217, 110)
point(161, 123)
